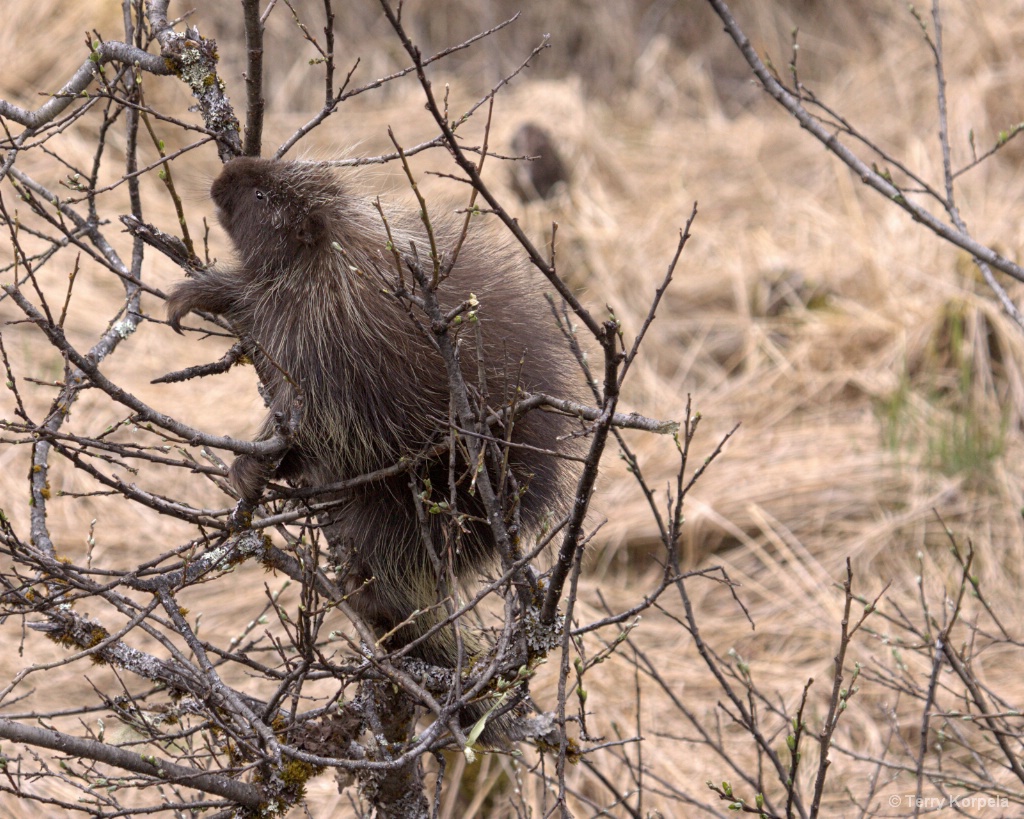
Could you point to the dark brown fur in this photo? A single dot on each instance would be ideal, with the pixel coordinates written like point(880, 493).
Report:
point(305, 294)
point(536, 177)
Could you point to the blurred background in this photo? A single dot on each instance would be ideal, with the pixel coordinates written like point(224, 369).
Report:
point(874, 377)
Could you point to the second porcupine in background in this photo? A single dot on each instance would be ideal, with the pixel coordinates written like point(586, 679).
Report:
point(306, 296)
point(541, 170)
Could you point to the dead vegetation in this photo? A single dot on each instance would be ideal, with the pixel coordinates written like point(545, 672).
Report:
point(877, 384)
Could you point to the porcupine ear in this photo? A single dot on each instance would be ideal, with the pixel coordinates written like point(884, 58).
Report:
point(313, 228)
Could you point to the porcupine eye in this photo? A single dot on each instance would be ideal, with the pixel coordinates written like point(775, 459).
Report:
point(260, 196)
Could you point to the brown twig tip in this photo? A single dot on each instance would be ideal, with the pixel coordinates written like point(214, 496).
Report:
point(171, 246)
point(232, 357)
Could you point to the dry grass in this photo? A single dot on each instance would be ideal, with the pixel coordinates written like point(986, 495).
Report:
point(874, 378)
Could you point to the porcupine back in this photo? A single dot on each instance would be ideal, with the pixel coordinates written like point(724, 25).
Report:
point(306, 294)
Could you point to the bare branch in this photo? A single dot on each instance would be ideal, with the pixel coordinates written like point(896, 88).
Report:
point(865, 173)
point(159, 770)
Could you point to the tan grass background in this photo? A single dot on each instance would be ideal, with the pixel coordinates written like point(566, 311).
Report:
point(874, 377)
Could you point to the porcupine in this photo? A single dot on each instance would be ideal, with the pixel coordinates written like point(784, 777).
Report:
point(536, 178)
point(308, 296)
